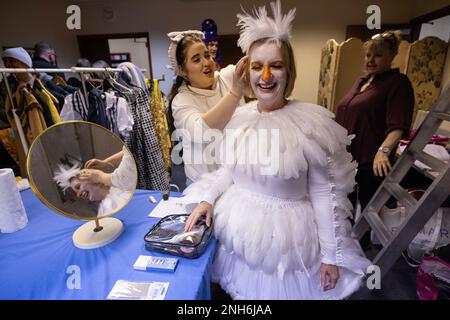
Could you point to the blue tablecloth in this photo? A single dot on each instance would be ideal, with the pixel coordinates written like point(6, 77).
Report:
point(35, 262)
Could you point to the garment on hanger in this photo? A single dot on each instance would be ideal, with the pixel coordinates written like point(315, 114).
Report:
point(144, 145)
point(4, 123)
point(10, 158)
point(32, 121)
point(48, 99)
point(97, 109)
point(45, 110)
point(58, 80)
point(106, 109)
point(74, 107)
point(157, 107)
point(119, 114)
point(132, 74)
point(59, 91)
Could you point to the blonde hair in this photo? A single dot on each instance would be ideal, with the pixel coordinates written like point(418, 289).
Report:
point(390, 39)
point(289, 60)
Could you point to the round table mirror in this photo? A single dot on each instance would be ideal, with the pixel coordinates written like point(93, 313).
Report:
point(83, 171)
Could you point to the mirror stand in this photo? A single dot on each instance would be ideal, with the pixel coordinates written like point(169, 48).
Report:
point(91, 235)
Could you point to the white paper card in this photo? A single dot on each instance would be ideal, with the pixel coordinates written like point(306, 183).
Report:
point(127, 290)
point(171, 206)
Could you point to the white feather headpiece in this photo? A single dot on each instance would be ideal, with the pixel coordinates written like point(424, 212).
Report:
point(64, 174)
point(261, 26)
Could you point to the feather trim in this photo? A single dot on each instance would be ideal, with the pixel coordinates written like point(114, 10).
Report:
point(281, 142)
point(261, 26)
point(64, 174)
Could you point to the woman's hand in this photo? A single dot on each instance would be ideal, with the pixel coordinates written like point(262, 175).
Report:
point(203, 208)
point(95, 176)
point(240, 82)
point(329, 275)
point(381, 164)
point(98, 164)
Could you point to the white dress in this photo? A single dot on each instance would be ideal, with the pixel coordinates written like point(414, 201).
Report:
point(274, 230)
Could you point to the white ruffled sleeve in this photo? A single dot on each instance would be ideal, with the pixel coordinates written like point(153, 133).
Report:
point(320, 194)
point(223, 181)
point(329, 186)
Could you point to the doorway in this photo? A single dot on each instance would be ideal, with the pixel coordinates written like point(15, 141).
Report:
point(118, 48)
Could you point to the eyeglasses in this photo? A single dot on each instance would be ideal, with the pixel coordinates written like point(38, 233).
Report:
point(385, 36)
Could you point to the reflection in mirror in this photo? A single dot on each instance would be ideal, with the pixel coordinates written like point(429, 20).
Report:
point(82, 170)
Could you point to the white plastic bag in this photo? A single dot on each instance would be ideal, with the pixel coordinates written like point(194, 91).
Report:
point(433, 235)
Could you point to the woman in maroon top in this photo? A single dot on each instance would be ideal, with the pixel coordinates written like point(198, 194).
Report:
point(378, 111)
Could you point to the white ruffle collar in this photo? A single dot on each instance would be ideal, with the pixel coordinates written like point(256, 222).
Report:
point(281, 142)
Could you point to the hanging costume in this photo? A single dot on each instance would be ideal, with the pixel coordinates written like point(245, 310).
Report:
point(126, 112)
point(30, 113)
point(157, 107)
point(143, 144)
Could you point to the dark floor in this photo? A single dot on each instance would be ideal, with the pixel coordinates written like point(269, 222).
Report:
point(398, 284)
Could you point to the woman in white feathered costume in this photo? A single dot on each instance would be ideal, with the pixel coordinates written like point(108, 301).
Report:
point(280, 200)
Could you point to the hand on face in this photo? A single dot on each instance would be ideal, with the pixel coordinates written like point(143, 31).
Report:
point(240, 81)
point(199, 66)
point(268, 75)
point(93, 176)
point(98, 164)
point(88, 190)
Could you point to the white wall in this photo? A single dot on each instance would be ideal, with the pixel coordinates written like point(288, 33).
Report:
point(439, 28)
point(137, 49)
point(315, 23)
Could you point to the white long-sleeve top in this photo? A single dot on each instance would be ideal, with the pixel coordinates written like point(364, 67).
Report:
point(188, 107)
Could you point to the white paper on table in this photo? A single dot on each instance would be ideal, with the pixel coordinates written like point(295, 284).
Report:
point(172, 206)
point(128, 290)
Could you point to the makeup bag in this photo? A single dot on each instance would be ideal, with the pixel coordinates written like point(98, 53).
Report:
point(168, 236)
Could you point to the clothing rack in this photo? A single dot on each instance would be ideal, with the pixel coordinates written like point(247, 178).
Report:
point(79, 70)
